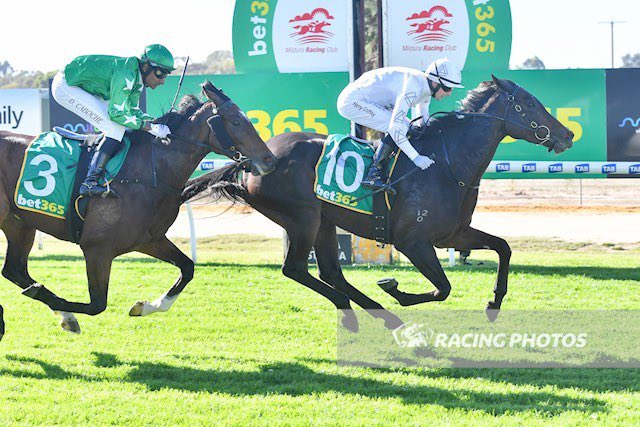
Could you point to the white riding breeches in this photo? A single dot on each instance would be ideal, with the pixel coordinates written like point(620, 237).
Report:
point(353, 106)
point(86, 106)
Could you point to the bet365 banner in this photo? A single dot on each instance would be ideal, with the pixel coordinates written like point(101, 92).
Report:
point(475, 34)
point(290, 36)
point(275, 103)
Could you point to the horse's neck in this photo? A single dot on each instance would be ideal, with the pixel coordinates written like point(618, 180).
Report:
point(476, 148)
point(176, 162)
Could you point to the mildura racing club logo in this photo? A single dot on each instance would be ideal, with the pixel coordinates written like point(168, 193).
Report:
point(311, 28)
point(430, 25)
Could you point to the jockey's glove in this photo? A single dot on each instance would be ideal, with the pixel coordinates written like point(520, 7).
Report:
point(159, 130)
point(423, 162)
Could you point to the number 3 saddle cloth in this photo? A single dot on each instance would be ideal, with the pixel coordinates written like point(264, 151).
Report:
point(48, 173)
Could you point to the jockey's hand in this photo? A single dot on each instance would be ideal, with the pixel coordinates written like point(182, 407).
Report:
point(423, 162)
point(159, 130)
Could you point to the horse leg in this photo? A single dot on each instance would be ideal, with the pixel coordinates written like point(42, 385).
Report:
point(19, 243)
point(165, 250)
point(1, 322)
point(98, 263)
point(326, 249)
point(470, 238)
point(302, 232)
point(423, 256)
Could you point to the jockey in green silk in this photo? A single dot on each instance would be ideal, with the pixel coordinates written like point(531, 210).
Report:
point(105, 91)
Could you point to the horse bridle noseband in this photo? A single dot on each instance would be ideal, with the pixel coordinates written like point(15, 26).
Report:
point(511, 97)
point(216, 127)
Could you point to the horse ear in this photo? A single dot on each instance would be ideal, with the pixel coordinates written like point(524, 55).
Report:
point(213, 93)
point(500, 83)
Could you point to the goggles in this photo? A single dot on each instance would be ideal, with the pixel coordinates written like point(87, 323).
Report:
point(160, 73)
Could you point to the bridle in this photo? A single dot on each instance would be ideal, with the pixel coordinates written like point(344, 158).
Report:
point(215, 125)
point(216, 128)
point(511, 97)
point(512, 105)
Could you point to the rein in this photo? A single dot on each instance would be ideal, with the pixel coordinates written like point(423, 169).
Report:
point(512, 103)
point(215, 127)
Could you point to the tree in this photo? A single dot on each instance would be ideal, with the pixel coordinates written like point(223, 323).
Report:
point(5, 68)
point(218, 62)
point(631, 61)
point(533, 63)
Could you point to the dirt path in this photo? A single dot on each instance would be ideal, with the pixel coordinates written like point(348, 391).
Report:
point(595, 224)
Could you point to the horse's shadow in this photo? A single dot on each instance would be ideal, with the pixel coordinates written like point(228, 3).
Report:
point(298, 379)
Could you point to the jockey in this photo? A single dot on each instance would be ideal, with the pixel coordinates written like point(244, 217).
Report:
point(105, 91)
point(381, 99)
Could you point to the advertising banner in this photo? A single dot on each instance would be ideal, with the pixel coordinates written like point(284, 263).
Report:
point(21, 111)
point(290, 36)
point(275, 103)
point(576, 99)
point(623, 118)
point(475, 34)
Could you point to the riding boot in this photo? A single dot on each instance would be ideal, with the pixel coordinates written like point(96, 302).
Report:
point(91, 187)
point(377, 177)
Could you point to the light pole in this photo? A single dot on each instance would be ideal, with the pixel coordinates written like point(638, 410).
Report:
point(612, 23)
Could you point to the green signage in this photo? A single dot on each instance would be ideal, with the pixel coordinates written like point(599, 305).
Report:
point(575, 97)
point(275, 103)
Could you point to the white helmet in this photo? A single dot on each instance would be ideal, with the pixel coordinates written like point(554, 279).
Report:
point(445, 72)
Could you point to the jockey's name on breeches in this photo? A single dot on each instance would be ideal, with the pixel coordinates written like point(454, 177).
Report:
point(85, 111)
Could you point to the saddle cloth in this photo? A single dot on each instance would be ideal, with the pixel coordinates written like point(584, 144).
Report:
point(340, 170)
point(48, 173)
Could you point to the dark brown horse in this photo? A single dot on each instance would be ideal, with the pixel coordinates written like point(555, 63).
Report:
point(140, 218)
point(432, 208)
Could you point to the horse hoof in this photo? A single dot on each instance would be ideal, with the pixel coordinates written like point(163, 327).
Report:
point(68, 321)
point(393, 322)
point(492, 312)
point(388, 284)
point(349, 320)
point(70, 325)
point(137, 309)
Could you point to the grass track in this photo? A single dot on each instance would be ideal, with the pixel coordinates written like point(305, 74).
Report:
point(244, 345)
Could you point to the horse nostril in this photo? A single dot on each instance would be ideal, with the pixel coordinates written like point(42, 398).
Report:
point(569, 136)
point(269, 160)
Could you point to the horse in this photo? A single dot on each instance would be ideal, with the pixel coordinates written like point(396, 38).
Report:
point(140, 218)
point(433, 208)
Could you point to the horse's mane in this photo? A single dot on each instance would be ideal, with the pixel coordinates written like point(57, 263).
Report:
point(473, 102)
point(188, 105)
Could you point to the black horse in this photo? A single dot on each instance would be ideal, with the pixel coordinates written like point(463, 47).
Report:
point(149, 202)
point(432, 208)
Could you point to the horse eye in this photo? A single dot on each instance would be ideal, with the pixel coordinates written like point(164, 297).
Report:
point(236, 122)
point(531, 105)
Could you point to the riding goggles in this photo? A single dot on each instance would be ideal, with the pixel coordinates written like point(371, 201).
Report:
point(160, 73)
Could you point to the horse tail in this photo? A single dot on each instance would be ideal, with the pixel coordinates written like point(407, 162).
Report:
point(222, 183)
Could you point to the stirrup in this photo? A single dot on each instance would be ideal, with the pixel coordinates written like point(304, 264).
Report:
point(97, 190)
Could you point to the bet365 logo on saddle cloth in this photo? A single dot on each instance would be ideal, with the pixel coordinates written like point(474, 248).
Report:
point(340, 170)
point(48, 173)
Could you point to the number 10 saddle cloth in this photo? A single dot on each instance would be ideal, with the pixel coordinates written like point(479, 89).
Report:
point(340, 170)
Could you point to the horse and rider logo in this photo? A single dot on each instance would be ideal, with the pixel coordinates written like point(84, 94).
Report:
point(309, 28)
point(429, 25)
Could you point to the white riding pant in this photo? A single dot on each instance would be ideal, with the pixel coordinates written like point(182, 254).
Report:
point(354, 107)
point(86, 106)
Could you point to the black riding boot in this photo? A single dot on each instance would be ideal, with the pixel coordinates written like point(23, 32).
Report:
point(377, 177)
point(90, 186)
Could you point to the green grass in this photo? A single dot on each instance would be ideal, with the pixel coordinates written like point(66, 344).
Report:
point(244, 345)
